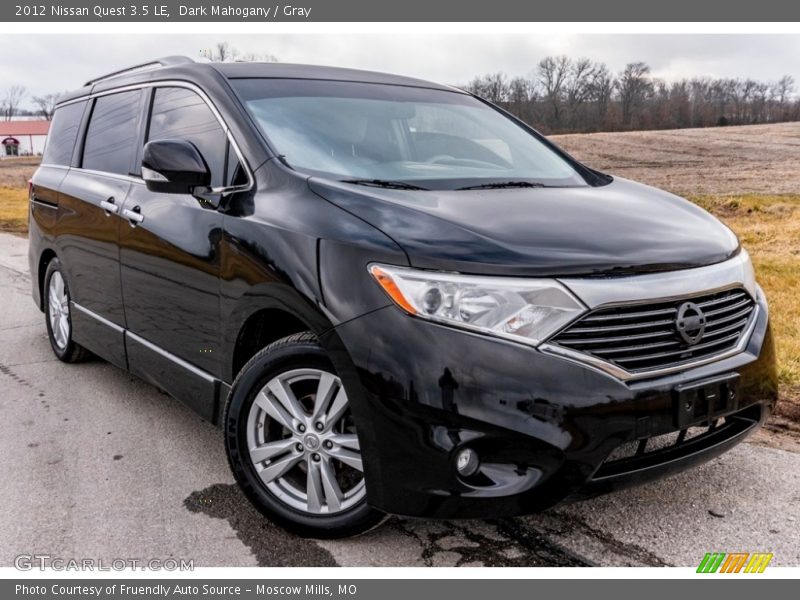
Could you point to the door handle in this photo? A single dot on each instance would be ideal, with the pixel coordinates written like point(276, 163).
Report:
point(109, 206)
point(133, 215)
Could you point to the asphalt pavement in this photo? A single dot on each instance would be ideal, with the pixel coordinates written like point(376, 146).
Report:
point(97, 464)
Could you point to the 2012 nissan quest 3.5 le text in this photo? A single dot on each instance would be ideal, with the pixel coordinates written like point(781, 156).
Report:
point(392, 296)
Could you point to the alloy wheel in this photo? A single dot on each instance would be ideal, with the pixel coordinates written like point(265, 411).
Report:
point(302, 442)
point(58, 310)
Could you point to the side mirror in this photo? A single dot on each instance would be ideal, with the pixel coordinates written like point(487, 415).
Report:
point(174, 167)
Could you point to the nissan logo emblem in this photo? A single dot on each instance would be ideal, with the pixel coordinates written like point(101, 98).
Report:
point(690, 323)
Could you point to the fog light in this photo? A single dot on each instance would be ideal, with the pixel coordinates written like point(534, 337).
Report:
point(467, 462)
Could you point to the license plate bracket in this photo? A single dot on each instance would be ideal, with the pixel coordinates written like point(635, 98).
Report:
point(701, 402)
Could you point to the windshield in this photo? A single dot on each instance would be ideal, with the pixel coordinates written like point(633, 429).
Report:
point(376, 133)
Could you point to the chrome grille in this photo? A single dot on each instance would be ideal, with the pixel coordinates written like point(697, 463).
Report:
point(644, 337)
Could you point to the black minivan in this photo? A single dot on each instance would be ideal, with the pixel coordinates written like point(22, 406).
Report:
point(393, 296)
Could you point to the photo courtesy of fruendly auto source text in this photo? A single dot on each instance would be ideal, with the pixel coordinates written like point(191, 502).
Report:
point(373, 301)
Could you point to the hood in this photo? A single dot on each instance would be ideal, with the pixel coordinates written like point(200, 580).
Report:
point(620, 228)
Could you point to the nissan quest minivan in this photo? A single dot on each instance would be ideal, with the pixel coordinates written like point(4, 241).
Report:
point(392, 296)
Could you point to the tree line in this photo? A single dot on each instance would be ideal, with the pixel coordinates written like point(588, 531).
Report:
point(566, 95)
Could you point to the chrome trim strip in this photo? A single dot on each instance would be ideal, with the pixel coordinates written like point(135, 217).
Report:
point(108, 174)
point(171, 357)
point(97, 317)
point(44, 204)
point(183, 84)
point(150, 345)
point(620, 373)
point(671, 285)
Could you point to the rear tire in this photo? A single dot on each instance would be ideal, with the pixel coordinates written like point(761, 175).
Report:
point(58, 315)
point(291, 442)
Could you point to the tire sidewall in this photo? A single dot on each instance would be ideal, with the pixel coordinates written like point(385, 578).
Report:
point(273, 360)
point(55, 266)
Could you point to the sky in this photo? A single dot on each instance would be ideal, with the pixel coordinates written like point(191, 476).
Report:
point(54, 63)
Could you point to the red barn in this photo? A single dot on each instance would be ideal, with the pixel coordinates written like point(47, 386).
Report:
point(21, 138)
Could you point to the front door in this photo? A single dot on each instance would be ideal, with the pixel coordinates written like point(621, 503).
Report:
point(170, 263)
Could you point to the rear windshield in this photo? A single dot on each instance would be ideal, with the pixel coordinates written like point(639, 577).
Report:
point(426, 137)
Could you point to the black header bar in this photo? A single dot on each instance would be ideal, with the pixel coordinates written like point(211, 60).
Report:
point(406, 11)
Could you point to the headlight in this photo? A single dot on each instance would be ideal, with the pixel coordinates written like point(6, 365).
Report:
point(526, 310)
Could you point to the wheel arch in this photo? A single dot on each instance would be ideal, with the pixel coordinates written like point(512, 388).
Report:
point(45, 257)
point(268, 315)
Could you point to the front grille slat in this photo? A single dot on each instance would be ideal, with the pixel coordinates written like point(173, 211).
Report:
point(635, 315)
point(643, 337)
point(720, 311)
point(639, 348)
point(682, 351)
point(622, 338)
point(722, 320)
point(716, 301)
point(664, 323)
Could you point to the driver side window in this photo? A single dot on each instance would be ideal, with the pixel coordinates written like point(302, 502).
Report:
point(180, 113)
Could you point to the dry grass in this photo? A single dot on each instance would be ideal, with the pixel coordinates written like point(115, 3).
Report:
point(769, 227)
point(14, 175)
point(753, 159)
point(15, 172)
point(14, 209)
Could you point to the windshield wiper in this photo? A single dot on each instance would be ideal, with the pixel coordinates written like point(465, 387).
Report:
point(504, 184)
point(383, 183)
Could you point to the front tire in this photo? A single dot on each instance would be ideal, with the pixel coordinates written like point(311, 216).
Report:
point(291, 441)
point(58, 316)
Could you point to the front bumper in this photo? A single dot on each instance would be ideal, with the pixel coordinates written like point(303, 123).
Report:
point(543, 426)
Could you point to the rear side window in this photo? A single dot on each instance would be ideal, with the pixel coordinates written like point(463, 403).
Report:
point(63, 133)
point(112, 135)
point(179, 113)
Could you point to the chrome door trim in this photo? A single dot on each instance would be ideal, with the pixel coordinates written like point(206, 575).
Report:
point(199, 91)
point(170, 357)
point(147, 344)
point(97, 317)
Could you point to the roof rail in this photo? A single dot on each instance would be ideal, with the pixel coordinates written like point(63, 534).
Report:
point(166, 61)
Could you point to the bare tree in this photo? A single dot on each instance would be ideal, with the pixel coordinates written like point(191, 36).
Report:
point(494, 87)
point(784, 88)
point(634, 87)
point(601, 89)
point(553, 72)
point(782, 92)
point(254, 57)
point(578, 88)
point(11, 101)
point(523, 99)
point(224, 52)
point(46, 104)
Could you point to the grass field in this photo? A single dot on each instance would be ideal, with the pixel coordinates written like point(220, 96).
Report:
point(747, 176)
point(14, 175)
point(13, 209)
